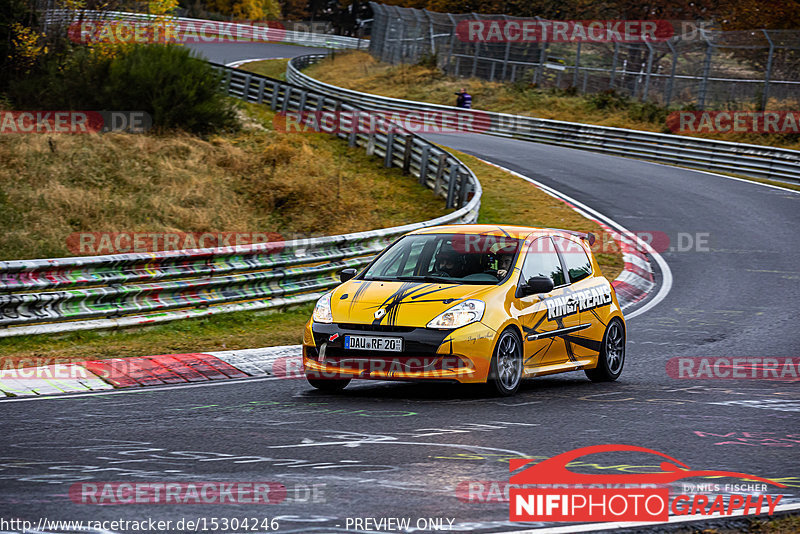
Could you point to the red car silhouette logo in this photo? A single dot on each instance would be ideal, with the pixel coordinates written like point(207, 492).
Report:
point(554, 470)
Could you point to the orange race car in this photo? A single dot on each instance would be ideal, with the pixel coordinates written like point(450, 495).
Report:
point(471, 304)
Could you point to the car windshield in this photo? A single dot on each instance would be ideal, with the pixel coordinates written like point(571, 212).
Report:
point(446, 258)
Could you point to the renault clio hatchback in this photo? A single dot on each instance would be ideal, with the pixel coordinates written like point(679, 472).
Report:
point(469, 304)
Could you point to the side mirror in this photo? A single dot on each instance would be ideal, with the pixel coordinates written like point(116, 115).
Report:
point(347, 274)
point(536, 285)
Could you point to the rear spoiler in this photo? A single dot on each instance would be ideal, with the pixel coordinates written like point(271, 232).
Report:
point(588, 236)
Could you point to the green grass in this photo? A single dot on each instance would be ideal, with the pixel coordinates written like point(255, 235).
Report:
point(228, 331)
point(274, 68)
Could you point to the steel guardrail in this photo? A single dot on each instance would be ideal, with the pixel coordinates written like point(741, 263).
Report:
point(78, 293)
point(749, 160)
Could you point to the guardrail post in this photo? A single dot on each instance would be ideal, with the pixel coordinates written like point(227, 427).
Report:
point(423, 164)
point(451, 186)
point(407, 154)
point(274, 101)
point(287, 96)
point(351, 139)
point(387, 159)
point(462, 189)
point(437, 184)
point(228, 82)
point(371, 141)
point(320, 103)
point(246, 89)
point(260, 97)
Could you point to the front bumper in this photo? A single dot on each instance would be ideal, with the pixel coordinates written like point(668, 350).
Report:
point(461, 355)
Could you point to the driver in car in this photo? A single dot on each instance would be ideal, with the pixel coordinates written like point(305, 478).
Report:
point(446, 263)
point(503, 265)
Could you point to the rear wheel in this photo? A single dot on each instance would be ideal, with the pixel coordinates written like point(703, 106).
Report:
point(612, 354)
point(328, 384)
point(505, 373)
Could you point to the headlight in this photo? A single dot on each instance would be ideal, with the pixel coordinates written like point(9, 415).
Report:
point(322, 311)
point(460, 315)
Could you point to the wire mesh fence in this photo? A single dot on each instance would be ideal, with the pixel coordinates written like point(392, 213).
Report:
point(756, 69)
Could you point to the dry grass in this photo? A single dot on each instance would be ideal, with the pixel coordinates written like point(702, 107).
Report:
point(360, 71)
point(255, 181)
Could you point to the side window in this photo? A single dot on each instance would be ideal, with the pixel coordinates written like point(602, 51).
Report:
point(579, 266)
point(541, 260)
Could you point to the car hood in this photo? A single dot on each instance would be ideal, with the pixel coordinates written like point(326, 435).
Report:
point(405, 303)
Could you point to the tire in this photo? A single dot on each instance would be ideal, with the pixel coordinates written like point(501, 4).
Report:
point(505, 371)
point(612, 354)
point(328, 384)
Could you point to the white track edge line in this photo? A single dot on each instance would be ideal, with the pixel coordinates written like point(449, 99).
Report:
point(143, 389)
point(238, 63)
point(666, 273)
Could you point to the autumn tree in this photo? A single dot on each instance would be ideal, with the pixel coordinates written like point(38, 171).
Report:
point(246, 9)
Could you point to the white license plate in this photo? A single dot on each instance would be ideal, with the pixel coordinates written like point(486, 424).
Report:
point(379, 343)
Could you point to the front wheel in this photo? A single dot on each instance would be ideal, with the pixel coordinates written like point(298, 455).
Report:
point(612, 354)
point(328, 384)
point(505, 373)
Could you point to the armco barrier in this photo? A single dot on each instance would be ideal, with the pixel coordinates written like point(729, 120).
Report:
point(54, 295)
point(207, 28)
point(749, 160)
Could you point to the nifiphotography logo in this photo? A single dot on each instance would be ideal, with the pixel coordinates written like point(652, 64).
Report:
point(548, 491)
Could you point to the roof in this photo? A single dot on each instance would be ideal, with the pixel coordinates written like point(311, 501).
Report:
point(517, 232)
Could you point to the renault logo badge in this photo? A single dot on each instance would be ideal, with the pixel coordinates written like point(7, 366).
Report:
point(380, 313)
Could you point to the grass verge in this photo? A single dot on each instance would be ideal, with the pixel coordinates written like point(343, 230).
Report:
point(274, 68)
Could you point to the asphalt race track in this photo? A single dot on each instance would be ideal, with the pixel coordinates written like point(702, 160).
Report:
point(401, 450)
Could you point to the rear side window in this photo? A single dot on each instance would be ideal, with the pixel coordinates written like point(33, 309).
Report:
point(542, 260)
point(578, 264)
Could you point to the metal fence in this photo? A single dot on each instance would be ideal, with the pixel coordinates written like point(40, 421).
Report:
point(707, 68)
point(708, 154)
point(54, 295)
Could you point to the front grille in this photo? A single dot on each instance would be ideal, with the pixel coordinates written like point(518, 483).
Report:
point(376, 327)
